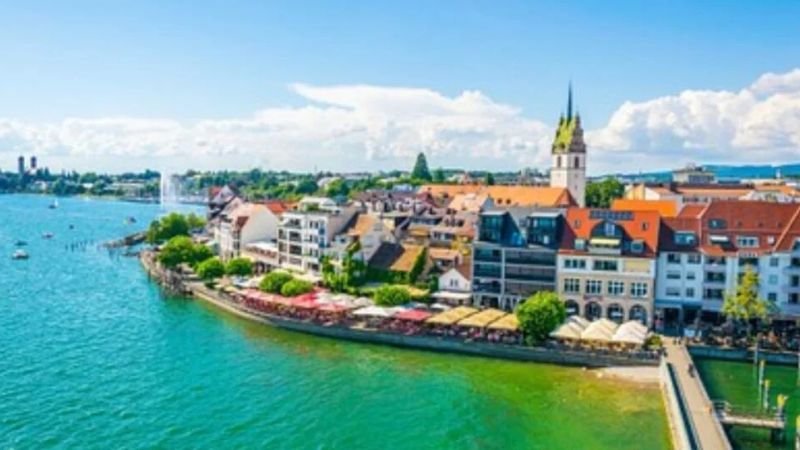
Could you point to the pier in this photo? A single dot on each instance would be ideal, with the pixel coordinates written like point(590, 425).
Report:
point(704, 421)
point(776, 423)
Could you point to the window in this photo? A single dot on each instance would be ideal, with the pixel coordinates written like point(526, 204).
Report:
point(606, 265)
point(773, 262)
point(673, 292)
point(685, 238)
point(580, 244)
point(689, 292)
point(746, 241)
point(573, 263)
point(638, 289)
point(673, 275)
point(616, 288)
point(717, 224)
point(673, 258)
point(770, 240)
point(609, 229)
point(694, 258)
point(773, 297)
point(637, 246)
point(594, 286)
point(773, 279)
point(690, 275)
point(645, 226)
point(572, 285)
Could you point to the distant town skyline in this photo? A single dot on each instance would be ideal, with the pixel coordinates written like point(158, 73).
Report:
point(474, 86)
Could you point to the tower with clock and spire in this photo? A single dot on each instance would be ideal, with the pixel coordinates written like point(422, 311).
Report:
point(569, 155)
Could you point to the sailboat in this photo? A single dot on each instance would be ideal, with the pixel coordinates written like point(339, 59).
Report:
point(53, 205)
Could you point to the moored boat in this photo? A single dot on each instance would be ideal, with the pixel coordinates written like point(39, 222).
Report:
point(20, 254)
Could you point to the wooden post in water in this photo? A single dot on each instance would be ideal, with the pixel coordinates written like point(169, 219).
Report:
point(766, 395)
point(797, 433)
point(761, 365)
point(755, 354)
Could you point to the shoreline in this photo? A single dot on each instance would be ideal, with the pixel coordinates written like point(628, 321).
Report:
point(419, 342)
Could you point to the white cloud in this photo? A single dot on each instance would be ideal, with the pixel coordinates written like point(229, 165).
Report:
point(354, 127)
point(758, 124)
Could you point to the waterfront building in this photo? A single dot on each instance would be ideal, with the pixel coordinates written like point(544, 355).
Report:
point(306, 233)
point(245, 224)
point(692, 174)
point(514, 255)
point(704, 254)
point(33, 164)
point(607, 263)
point(21, 165)
point(568, 168)
point(686, 194)
point(455, 284)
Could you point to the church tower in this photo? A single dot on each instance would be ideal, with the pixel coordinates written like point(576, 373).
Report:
point(569, 155)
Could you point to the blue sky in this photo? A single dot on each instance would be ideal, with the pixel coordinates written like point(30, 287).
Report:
point(187, 62)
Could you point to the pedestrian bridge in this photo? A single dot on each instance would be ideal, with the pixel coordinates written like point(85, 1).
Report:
point(775, 422)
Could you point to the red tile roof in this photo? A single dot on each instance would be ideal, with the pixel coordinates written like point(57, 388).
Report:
point(666, 208)
point(767, 221)
point(692, 210)
point(642, 225)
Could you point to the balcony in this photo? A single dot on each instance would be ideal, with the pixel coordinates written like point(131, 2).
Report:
point(531, 261)
point(479, 272)
point(530, 277)
point(487, 256)
point(293, 224)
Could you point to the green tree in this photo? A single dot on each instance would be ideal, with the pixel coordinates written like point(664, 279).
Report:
point(489, 179)
point(600, 194)
point(179, 249)
point(438, 176)
point(295, 287)
point(421, 171)
point(195, 222)
point(744, 304)
point(242, 267)
point(391, 295)
point(337, 188)
point(211, 269)
point(171, 225)
point(540, 314)
point(274, 281)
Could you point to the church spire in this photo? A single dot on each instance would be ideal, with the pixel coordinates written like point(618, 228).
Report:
point(569, 102)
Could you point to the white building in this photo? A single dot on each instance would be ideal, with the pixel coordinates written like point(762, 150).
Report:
point(307, 233)
point(703, 257)
point(245, 224)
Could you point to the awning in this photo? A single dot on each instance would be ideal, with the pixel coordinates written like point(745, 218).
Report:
point(450, 295)
point(631, 332)
point(376, 311)
point(452, 316)
point(483, 318)
point(508, 322)
point(412, 315)
point(599, 330)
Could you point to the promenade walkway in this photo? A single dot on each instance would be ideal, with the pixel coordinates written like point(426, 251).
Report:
point(699, 408)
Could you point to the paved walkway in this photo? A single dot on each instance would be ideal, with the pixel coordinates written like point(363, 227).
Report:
point(709, 431)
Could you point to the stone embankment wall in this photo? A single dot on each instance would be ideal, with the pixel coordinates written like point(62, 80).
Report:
point(511, 352)
point(740, 354)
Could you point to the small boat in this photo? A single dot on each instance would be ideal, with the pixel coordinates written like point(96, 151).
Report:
point(53, 205)
point(20, 254)
point(20, 243)
point(130, 220)
point(47, 235)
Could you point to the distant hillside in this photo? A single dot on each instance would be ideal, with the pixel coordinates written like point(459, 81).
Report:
point(723, 172)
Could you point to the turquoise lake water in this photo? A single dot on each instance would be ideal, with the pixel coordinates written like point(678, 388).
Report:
point(96, 356)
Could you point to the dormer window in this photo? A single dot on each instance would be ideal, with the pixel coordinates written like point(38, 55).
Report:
point(717, 224)
point(637, 247)
point(580, 244)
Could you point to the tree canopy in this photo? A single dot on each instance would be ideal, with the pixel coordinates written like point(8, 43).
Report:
point(489, 179)
point(211, 269)
point(540, 314)
point(295, 287)
point(391, 295)
point(421, 171)
point(274, 281)
point(181, 249)
point(600, 194)
point(239, 267)
point(745, 304)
